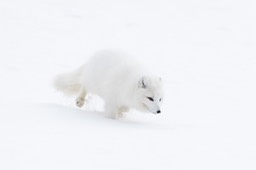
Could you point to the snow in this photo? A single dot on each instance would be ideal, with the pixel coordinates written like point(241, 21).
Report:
point(204, 50)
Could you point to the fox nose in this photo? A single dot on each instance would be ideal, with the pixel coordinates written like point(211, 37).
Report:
point(159, 111)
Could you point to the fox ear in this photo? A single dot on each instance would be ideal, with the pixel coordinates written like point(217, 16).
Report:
point(144, 82)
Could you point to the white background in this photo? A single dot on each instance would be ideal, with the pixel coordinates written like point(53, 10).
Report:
point(204, 50)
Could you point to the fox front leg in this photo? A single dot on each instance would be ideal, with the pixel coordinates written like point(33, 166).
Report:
point(112, 111)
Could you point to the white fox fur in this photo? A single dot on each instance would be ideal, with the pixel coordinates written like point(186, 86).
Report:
point(119, 80)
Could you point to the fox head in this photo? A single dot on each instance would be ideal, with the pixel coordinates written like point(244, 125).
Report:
point(149, 94)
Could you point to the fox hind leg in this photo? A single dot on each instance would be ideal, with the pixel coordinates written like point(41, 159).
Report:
point(80, 100)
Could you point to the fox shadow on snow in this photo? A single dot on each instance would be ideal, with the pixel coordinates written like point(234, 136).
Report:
point(73, 113)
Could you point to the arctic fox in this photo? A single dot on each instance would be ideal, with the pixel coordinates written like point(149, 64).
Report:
point(118, 79)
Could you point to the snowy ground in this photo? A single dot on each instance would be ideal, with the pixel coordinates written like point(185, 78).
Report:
point(205, 51)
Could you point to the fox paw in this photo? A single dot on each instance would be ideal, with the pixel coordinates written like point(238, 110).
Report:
point(116, 116)
point(120, 115)
point(80, 102)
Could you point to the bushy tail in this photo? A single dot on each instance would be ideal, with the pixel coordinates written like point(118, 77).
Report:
point(69, 83)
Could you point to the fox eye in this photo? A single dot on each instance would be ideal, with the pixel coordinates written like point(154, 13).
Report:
point(160, 99)
point(150, 98)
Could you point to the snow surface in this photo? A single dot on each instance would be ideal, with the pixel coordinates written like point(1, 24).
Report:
point(204, 50)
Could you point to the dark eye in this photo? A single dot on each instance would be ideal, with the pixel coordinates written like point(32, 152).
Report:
point(160, 99)
point(150, 98)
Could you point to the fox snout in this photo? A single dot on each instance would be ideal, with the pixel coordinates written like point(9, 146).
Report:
point(154, 110)
point(157, 112)
point(153, 107)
